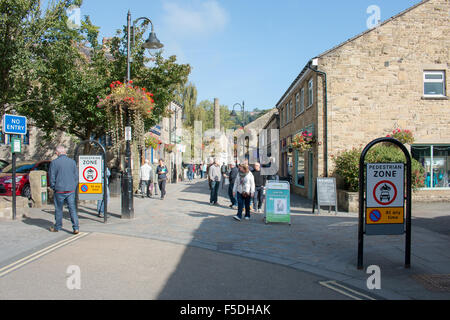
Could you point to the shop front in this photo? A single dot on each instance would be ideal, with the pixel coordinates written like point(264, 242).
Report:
point(436, 161)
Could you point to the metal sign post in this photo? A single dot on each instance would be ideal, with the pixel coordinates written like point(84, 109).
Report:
point(14, 125)
point(92, 186)
point(382, 210)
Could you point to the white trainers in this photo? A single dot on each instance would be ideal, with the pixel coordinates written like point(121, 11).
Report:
point(247, 218)
point(237, 218)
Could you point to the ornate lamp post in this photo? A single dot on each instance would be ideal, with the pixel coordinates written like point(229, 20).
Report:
point(233, 113)
point(127, 179)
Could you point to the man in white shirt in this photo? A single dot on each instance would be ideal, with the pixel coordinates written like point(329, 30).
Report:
point(145, 174)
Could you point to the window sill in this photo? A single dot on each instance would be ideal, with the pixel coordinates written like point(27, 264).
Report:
point(434, 98)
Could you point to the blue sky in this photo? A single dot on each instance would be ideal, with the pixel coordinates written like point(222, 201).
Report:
point(247, 50)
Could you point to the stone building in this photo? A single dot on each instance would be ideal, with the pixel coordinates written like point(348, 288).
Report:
point(392, 76)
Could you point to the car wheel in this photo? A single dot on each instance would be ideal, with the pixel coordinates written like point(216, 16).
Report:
point(26, 191)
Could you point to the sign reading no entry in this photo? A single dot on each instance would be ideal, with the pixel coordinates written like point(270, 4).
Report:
point(385, 198)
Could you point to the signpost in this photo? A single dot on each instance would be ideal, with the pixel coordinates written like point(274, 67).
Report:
point(14, 125)
point(385, 199)
point(277, 206)
point(92, 176)
point(382, 211)
point(325, 194)
point(90, 185)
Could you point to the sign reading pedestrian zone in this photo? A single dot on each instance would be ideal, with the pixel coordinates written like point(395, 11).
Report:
point(385, 198)
point(90, 170)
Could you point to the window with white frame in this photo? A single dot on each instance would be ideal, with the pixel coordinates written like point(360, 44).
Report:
point(310, 93)
point(297, 103)
point(434, 83)
point(302, 100)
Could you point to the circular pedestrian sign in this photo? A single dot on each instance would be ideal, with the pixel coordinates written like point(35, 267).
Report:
point(375, 215)
point(385, 192)
point(84, 188)
point(90, 174)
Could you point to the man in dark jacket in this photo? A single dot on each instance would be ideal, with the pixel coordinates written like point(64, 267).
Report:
point(232, 174)
point(63, 174)
point(260, 182)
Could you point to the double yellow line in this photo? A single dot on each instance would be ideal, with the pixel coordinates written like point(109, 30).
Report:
point(36, 255)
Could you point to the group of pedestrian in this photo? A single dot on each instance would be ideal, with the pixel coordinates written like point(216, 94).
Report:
point(151, 176)
point(246, 185)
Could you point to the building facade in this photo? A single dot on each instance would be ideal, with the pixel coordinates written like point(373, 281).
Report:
point(392, 76)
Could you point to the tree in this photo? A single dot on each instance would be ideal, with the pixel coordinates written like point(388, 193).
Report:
point(23, 25)
point(163, 78)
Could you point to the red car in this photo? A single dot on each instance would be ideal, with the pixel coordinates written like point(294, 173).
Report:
point(23, 169)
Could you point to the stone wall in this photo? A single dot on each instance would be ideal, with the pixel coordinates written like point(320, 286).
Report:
point(375, 82)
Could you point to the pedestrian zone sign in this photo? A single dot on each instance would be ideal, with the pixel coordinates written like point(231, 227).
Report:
point(90, 173)
point(385, 196)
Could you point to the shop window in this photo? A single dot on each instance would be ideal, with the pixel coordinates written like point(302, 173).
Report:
point(434, 83)
point(300, 176)
point(436, 161)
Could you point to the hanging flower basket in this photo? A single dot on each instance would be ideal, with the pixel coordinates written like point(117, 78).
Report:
point(151, 141)
point(404, 136)
point(137, 101)
point(169, 148)
point(303, 141)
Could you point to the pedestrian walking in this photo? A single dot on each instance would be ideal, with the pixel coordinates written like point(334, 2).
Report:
point(211, 162)
point(204, 170)
point(244, 189)
point(145, 174)
point(162, 171)
point(223, 171)
point(190, 172)
point(63, 173)
point(260, 182)
point(154, 180)
point(232, 175)
point(100, 203)
point(214, 175)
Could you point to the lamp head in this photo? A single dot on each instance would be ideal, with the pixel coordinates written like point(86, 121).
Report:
point(152, 42)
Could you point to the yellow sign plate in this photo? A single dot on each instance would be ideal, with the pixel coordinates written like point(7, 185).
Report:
point(90, 188)
point(385, 216)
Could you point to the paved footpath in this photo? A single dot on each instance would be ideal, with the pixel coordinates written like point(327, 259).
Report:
point(188, 249)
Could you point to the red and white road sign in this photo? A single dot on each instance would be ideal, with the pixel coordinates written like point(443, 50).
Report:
point(90, 169)
point(385, 185)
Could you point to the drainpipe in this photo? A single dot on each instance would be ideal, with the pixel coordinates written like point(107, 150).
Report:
point(314, 62)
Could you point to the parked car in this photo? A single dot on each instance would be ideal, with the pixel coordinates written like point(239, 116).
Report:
point(3, 164)
point(23, 168)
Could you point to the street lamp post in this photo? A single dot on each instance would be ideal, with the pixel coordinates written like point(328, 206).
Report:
point(242, 106)
point(127, 180)
point(233, 114)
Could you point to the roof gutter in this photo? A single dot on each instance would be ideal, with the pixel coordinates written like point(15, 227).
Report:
point(312, 65)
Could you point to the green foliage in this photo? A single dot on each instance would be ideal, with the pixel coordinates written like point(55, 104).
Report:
point(55, 74)
point(347, 165)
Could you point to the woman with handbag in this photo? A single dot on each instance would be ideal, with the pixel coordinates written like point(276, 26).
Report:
point(244, 189)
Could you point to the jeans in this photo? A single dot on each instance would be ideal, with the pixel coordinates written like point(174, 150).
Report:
point(162, 187)
point(214, 191)
point(69, 198)
point(144, 188)
point(243, 202)
point(100, 206)
point(258, 198)
point(230, 194)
